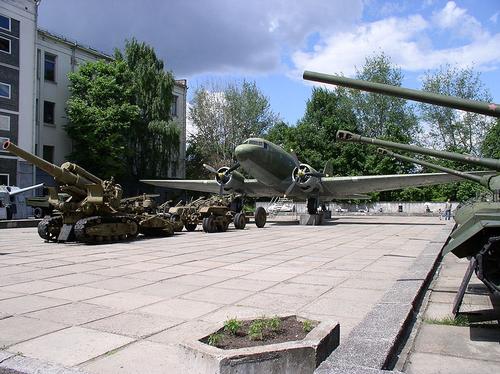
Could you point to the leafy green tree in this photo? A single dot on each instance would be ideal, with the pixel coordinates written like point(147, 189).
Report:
point(313, 139)
point(382, 115)
point(224, 117)
point(451, 129)
point(154, 137)
point(491, 143)
point(101, 113)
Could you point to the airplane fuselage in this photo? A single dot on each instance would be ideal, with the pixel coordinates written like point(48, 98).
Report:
point(267, 162)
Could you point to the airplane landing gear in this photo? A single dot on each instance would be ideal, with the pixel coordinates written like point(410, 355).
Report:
point(312, 205)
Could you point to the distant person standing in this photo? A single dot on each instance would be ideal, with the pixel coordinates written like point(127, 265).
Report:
point(447, 210)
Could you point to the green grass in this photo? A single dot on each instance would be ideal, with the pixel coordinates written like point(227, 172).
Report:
point(215, 339)
point(307, 325)
point(460, 320)
point(232, 326)
point(274, 323)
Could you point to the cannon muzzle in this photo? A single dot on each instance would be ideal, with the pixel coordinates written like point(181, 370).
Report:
point(490, 163)
point(480, 107)
point(488, 181)
point(60, 175)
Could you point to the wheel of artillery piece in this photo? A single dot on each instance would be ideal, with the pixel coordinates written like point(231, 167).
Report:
point(209, 224)
point(240, 221)
point(260, 217)
point(49, 228)
point(190, 226)
point(222, 225)
point(176, 222)
point(38, 212)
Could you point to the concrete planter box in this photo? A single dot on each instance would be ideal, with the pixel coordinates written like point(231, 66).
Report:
point(293, 357)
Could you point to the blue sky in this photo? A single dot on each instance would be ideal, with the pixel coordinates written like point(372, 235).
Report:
point(272, 42)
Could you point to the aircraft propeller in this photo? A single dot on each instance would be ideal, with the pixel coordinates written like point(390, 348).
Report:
point(223, 175)
point(301, 173)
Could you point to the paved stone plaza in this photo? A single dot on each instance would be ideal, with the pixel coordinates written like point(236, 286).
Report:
point(126, 307)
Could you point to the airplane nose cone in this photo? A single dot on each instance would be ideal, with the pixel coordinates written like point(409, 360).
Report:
point(243, 151)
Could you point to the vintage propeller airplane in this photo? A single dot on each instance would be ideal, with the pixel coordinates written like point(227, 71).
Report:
point(277, 172)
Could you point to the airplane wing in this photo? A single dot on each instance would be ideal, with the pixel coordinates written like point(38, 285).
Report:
point(346, 187)
point(250, 187)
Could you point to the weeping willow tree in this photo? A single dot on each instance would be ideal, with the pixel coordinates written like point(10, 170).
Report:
point(154, 137)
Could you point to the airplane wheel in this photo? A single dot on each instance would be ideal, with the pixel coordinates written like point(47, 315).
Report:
point(190, 226)
point(209, 224)
point(260, 217)
point(240, 221)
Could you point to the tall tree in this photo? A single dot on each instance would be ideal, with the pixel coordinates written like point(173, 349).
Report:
point(224, 117)
point(381, 115)
point(491, 144)
point(451, 129)
point(101, 113)
point(154, 137)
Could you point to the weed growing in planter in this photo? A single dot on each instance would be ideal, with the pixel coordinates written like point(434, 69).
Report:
point(232, 326)
point(256, 329)
point(274, 324)
point(214, 339)
point(307, 325)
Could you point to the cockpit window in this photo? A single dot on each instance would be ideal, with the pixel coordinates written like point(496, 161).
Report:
point(260, 143)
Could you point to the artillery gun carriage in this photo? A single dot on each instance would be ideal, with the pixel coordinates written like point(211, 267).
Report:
point(214, 213)
point(93, 212)
point(476, 235)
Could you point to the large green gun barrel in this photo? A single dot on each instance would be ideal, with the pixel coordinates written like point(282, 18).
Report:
point(490, 163)
point(480, 107)
point(60, 174)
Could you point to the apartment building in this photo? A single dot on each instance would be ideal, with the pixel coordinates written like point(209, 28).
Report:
point(34, 65)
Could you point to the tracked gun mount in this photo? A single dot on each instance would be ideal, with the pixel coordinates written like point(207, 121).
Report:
point(477, 234)
point(93, 212)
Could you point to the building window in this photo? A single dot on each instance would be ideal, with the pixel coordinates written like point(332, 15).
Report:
point(5, 90)
point(4, 123)
point(48, 153)
point(4, 23)
point(48, 112)
point(4, 179)
point(5, 45)
point(173, 108)
point(50, 67)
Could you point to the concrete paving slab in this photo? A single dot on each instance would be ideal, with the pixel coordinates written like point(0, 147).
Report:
point(217, 295)
point(8, 295)
point(141, 357)
point(33, 287)
point(124, 300)
point(428, 363)
point(71, 346)
point(28, 303)
point(76, 293)
point(246, 284)
point(186, 331)
point(28, 365)
point(17, 329)
point(464, 342)
point(180, 308)
point(135, 325)
point(276, 303)
point(73, 313)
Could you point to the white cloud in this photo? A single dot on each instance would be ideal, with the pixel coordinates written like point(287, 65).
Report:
point(451, 17)
point(407, 40)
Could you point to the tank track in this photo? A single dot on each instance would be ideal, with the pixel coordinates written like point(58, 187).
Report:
point(130, 229)
point(49, 228)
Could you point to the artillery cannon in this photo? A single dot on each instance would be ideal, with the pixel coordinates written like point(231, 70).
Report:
point(480, 107)
point(93, 212)
point(214, 213)
point(477, 234)
point(477, 231)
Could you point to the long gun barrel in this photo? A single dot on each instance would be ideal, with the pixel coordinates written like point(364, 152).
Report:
point(480, 107)
point(488, 181)
point(21, 190)
point(60, 175)
point(490, 163)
